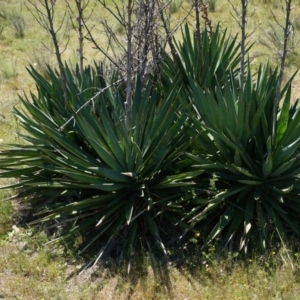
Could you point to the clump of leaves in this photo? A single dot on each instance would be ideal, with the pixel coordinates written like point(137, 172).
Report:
point(82, 165)
point(257, 173)
point(204, 60)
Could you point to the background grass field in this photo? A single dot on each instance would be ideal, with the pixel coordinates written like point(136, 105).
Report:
point(30, 270)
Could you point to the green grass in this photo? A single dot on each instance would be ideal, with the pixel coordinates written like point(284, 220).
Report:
point(28, 270)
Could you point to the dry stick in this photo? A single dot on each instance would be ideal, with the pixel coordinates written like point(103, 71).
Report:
point(53, 33)
point(241, 20)
point(170, 33)
point(274, 37)
point(243, 40)
point(144, 35)
point(287, 32)
point(197, 5)
point(80, 34)
point(166, 26)
point(198, 29)
point(207, 20)
point(284, 49)
point(46, 20)
point(138, 41)
point(148, 29)
point(112, 37)
point(91, 39)
point(80, 6)
point(146, 39)
point(129, 65)
point(120, 16)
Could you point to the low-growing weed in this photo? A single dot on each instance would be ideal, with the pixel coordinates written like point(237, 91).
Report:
point(1, 29)
point(212, 5)
point(8, 69)
point(17, 23)
point(40, 59)
point(175, 5)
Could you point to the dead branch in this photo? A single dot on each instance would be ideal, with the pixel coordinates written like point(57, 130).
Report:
point(44, 14)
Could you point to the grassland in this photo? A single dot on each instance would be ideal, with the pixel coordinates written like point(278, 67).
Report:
point(30, 270)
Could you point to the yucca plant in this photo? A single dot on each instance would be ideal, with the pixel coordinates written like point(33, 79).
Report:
point(257, 176)
point(113, 184)
point(80, 87)
point(203, 61)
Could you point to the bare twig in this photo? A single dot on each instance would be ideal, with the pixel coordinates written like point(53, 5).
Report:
point(44, 15)
point(241, 19)
point(286, 34)
point(90, 38)
point(129, 64)
point(243, 40)
point(81, 5)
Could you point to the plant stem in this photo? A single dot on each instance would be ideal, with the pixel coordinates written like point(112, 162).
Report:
point(287, 31)
point(129, 66)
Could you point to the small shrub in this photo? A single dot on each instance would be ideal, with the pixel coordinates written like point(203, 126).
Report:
point(175, 5)
point(275, 4)
point(120, 29)
point(8, 69)
point(1, 29)
point(4, 12)
point(212, 5)
point(199, 63)
point(40, 59)
point(273, 39)
point(17, 23)
point(296, 22)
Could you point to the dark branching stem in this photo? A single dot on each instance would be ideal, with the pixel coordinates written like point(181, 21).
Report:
point(91, 39)
point(241, 19)
point(169, 36)
point(80, 25)
point(148, 29)
point(53, 33)
point(287, 32)
point(197, 15)
point(45, 17)
point(129, 65)
point(81, 5)
point(243, 41)
point(80, 33)
point(197, 5)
